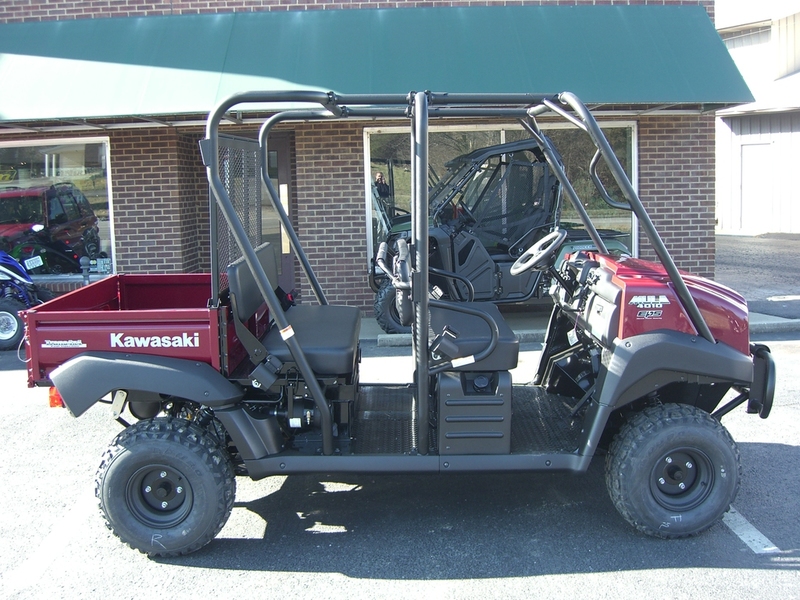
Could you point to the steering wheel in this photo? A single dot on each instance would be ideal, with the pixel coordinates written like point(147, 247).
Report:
point(540, 256)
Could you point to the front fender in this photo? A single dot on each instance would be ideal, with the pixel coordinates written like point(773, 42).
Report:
point(642, 364)
point(87, 377)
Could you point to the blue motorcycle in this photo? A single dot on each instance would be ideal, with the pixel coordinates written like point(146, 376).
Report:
point(17, 292)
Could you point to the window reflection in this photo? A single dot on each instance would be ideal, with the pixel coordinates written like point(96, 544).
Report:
point(54, 206)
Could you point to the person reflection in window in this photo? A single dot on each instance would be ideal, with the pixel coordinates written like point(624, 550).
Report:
point(381, 185)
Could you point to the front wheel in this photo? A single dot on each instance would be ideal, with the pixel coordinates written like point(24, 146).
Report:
point(672, 471)
point(165, 487)
point(386, 310)
point(11, 326)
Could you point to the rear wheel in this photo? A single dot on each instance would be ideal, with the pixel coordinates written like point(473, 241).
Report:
point(11, 326)
point(165, 487)
point(673, 471)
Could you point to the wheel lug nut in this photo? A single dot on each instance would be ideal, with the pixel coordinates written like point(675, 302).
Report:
point(164, 473)
point(682, 485)
point(661, 480)
point(148, 489)
point(669, 459)
point(179, 490)
point(164, 504)
point(688, 465)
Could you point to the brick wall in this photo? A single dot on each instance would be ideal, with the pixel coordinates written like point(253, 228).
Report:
point(161, 198)
point(676, 184)
point(147, 200)
point(157, 181)
point(51, 10)
point(329, 206)
point(193, 194)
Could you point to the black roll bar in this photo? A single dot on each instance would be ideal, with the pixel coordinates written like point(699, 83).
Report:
point(210, 154)
point(274, 196)
point(420, 276)
point(555, 163)
point(420, 107)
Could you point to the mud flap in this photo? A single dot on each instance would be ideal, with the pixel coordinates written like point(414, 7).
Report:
point(762, 391)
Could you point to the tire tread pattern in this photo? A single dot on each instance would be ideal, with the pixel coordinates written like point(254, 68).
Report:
point(629, 441)
point(385, 313)
point(194, 439)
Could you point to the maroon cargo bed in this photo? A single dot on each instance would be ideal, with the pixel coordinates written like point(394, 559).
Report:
point(166, 315)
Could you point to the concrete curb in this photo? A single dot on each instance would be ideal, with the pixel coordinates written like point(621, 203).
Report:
point(775, 326)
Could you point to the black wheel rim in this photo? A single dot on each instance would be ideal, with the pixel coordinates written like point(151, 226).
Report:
point(159, 496)
point(682, 479)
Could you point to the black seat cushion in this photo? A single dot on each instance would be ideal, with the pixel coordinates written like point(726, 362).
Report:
point(328, 335)
point(243, 285)
point(474, 334)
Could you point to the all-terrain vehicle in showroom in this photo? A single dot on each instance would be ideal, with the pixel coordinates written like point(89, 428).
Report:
point(487, 209)
point(639, 358)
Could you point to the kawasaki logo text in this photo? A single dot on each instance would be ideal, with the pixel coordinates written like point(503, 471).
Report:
point(185, 340)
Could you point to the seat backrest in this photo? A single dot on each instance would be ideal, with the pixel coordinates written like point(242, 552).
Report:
point(242, 284)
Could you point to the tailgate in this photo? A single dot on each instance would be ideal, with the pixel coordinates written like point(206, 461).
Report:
point(164, 315)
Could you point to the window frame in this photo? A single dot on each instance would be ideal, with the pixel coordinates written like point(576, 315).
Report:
point(604, 124)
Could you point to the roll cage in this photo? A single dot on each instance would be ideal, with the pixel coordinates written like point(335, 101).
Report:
point(419, 108)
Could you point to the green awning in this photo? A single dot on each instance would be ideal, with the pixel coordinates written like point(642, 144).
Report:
point(172, 65)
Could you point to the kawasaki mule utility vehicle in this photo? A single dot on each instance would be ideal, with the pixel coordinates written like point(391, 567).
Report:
point(639, 359)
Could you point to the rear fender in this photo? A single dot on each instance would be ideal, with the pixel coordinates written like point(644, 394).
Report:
point(86, 378)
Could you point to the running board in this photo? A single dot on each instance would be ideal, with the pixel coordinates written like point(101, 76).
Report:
point(284, 464)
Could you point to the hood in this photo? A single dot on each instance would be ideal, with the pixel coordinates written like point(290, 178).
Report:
point(724, 310)
point(14, 230)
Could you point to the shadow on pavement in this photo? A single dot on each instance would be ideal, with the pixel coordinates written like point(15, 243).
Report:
point(469, 527)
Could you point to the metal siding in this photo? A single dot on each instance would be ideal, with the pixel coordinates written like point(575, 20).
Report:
point(750, 38)
point(788, 49)
point(185, 64)
point(759, 196)
point(724, 187)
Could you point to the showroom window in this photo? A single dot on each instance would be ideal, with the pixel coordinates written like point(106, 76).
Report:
point(388, 155)
point(55, 205)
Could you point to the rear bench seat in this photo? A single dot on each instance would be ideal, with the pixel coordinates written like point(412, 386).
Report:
point(328, 335)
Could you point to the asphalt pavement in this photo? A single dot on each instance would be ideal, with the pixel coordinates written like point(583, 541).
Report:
point(765, 269)
point(540, 535)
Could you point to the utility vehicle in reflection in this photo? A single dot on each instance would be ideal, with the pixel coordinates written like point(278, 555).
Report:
point(489, 207)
